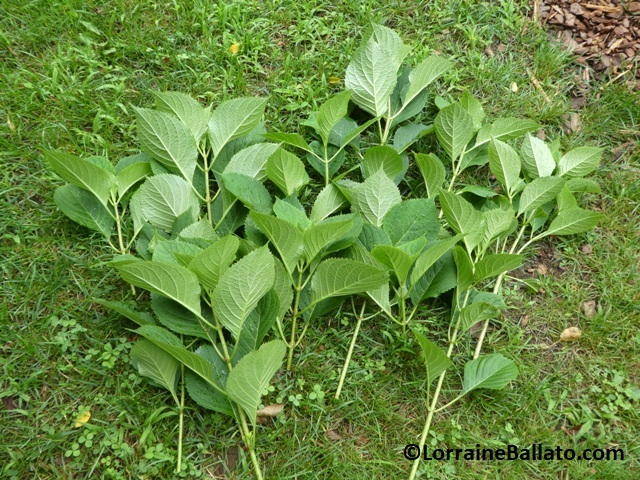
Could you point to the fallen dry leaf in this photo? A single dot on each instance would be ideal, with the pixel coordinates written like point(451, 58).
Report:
point(82, 419)
point(589, 308)
point(587, 248)
point(542, 269)
point(570, 334)
point(524, 320)
point(271, 410)
point(333, 435)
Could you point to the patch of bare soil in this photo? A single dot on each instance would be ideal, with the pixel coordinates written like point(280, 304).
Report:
point(604, 33)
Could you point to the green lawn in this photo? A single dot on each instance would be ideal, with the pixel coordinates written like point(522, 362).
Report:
point(70, 73)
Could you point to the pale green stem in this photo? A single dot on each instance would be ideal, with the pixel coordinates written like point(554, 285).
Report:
point(350, 352)
point(295, 313)
point(180, 419)
point(249, 440)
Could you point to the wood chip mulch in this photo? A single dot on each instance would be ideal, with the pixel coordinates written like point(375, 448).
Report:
point(604, 33)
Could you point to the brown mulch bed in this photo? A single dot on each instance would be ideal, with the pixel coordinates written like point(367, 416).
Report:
point(605, 34)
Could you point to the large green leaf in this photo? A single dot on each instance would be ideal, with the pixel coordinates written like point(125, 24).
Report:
point(390, 41)
point(488, 371)
point(423, 75)
point(440, 278)
point(249, 191)
point(464, 269)
point(331, 112)
point(162, 199)
point(82, 173)
point(317, 237)
point(499, 224)
point(408, 134)
point(293, 139)
point(174, 282)
point(504, 163)
point(175, 252)
point(252, 161)
point(433, 172)
point(472, 105)
point(233, 119)
point(168, 140)
point(328, 201)
point(395, 259)
point(412, 219)
point(505, 129)
point(155, 364)
point(287, 172)
point(435, 359)
point(476, 312)
point(212, 262)
point(537, 159)
point(252, 375)
point(430, 256)
point(126, 310)
point(382, 157)
point(240, 288)
point(131, 175)
point(201, 391)
point(84, 208)
point(284, 236)
point(538, 192)
point(579, 162)
point(573, 220)
point(171, 344)
point(337, 277)
point(375, 197)
point(371, 76)
point(290, 212)
point(177, 318)
point(187, 109)
point(463, 218)
point(454, 129)
point(495, 264)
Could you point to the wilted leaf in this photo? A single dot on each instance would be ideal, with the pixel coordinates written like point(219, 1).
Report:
point(570, 334)
point(589, 308)
point(82, 418)
point(271, 410)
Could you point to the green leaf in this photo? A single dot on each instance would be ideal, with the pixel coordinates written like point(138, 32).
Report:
point(391, 42)
point(249, 191)
point(212, 262)
point(395, 259)
point(252, 375)
point(328, 201)
point(504, 163)
point(84, 208)
point(341, 276)
point(474, 108)
point(176, 318)
point(433, 172)
point(282, 287)
point(174, 282)
point(331, 112)
point(286, 210)
point(293, 139)
point(240, 288)
point(579, 162)
point(375, 197)
point(476, 312)
point(488, 371)
point(162, 199)
point(464, 269)
point(440, 278)
point(284, 236)
point(423, 75)
point(463, 218)
point(82, 173)
point(173, 346)
point(495, 264)
point(430, 256)
point(188, 110)
point(538, 192)
point(566, 199)
point(200, 233)
point(454, 129)
point(412, 219)
point(155, 364)
point(287, 172)
point(408, 134)
point(573, 220)
point(583, 185)
point(505, 129)
point(233, 119)
point(435, 359)
point(131, 175)
point(371, 76)
point(500, 223)
point(317, 237)
point(257, 325)
point(126, 310)
point(175, 252)
point(537, 159)
point(206, 396)
point(251, 161)
point(168, 140)
point(382, 157)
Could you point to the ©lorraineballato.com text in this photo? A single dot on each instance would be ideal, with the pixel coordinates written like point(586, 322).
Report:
point(512, 452)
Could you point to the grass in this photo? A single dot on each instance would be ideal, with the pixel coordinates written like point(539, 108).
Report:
point(70, 72)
